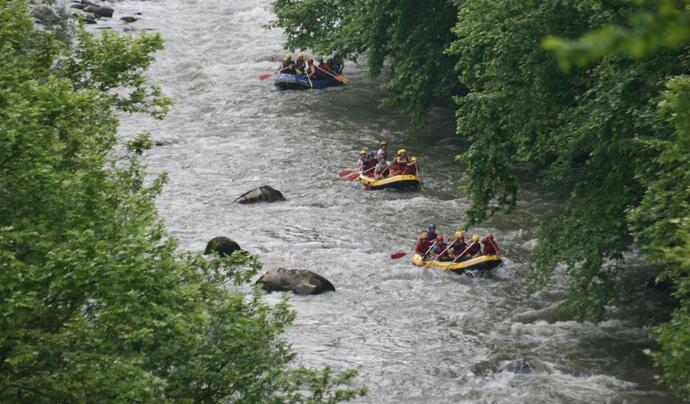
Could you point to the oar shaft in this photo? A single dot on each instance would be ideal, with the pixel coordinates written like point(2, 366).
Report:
point(326, 71)
point(462, 253)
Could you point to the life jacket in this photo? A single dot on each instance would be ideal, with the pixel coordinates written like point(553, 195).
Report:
point(287, 68)
point(472, 251)
point(458, 247)
point(430, 235)
point(381, 170)
point(299, 67)
point(324, 69)
point(422, 246)
point(489, 246)
point(410, 169)
point(369, 164)
point(382, 152)
point(395, 167)
point(311, 72)
point(439, 247)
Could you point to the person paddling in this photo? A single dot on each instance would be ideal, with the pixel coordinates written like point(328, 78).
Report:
point(458, 245)
point(299, 65)
point(474, 248)
point(423, 244)
point(324, 70)
point(362, 162)
point(311, 69)
point(411, 167)
point(382, 151)
point(287, 67)
point(381, 170)
point(490, 247)
point(440, 251)
point(431, 232)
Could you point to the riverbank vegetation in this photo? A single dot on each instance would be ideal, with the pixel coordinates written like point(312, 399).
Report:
point(96, 304)
point(603, 119)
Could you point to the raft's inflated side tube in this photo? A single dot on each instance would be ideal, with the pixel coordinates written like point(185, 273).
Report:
point(482, 262)
point(406, 181)
point(294, 82)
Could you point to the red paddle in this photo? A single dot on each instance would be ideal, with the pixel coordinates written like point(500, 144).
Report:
point(397, 255)
point(345, 172)
point(265, 76)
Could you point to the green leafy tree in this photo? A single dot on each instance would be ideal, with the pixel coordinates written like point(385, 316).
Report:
point(660, 221)
point(95, 303)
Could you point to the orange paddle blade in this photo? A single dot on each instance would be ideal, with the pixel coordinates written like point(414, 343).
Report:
point(353, 177)
point(264, 76)
point(397, 255)
point(345, 172)
point(341, 79)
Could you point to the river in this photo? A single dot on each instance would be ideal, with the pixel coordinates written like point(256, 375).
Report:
point(415, 335)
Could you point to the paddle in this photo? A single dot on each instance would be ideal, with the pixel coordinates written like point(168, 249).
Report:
point(309, 79)
point(267, 75)
point(461, 254)
point(345, 172)
point(357, 174)
point(341, 79)
point(419, 175)
point(401, 254)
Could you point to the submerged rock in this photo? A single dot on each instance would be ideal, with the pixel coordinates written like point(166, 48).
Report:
point(221, 245)
point(129, 19)
point(299, 281)
point(519, 366)
point(264, 193)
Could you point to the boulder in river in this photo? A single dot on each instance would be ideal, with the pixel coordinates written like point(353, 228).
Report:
point(128, 19)
point(264, 193)
point(519, 366)
point(99, 11)
point(222, 245)
point(299, 281)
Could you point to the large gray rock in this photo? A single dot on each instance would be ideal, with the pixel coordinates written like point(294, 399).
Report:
point(222, 245)
point(299, 281)
point(264, 193)
point(98, 11)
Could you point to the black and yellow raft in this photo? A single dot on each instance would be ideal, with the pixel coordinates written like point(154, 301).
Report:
point(406, 181)
point(484, 262)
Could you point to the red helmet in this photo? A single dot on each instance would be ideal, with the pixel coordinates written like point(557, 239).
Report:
point(439, 238)
point(310, 61)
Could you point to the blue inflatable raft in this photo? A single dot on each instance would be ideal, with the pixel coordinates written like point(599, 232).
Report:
point(294, 82)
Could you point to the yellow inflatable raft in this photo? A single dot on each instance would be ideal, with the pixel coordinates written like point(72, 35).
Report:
point(482, 262)
point(406, 181)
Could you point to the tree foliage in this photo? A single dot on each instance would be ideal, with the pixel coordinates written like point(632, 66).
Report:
point(96, 305)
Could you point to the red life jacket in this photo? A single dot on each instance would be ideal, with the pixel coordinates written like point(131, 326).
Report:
point(410, 169)
point(422, 246)
point(490, 246)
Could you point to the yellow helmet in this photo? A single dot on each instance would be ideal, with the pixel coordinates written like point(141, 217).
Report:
point(413, 160)
point(361, 152)
point(383, 143)
point(287, 58)
point(475, 237)
point(300, 56)
point(401, 152)
point(459, 234)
